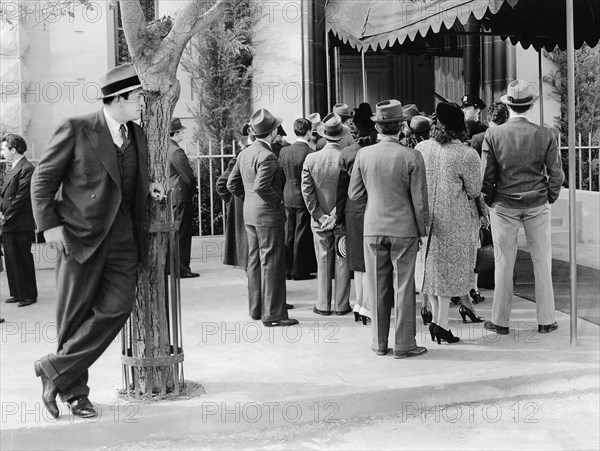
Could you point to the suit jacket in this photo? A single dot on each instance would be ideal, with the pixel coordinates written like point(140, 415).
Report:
point(344, 204)
point(181, 175)
point(256, 179)
point(522, 165)
point(81, 161)
point(393, 177)
point(476, 142)
point(319, 181)
point(291, 160)
point(15, 198)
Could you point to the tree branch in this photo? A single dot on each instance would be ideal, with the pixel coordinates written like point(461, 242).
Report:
point(134, 25)
point(191, 18)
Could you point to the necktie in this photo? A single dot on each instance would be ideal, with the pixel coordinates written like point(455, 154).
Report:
point(123, 132)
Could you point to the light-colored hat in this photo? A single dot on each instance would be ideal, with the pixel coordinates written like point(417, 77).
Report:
point(119, 80)
point(331, 128)
point(342, 110)
point(315, 120)
point(520, 93)
point(410, 111)
point(388, 111)
point(263, 122)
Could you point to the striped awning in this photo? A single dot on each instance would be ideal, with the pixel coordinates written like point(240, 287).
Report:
point(377, 24)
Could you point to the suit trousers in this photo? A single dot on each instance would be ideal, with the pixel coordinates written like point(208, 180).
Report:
point(390, 264)
point(20, 269)
point(94, 300)
point(183, 213)
point(505, 224)
point(330, 265)
point(266, 272)
point(299, 251)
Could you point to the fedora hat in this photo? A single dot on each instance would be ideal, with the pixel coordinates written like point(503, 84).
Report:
point(263, 122)
point(315, 120)
point(451, 116)
point(471, 100)
point(388, 111)
point(342, 110)
point(420, 124)
point(119, 80)
point(176, 125)
point(331, 128)
point(410, 111)
point(520, 93)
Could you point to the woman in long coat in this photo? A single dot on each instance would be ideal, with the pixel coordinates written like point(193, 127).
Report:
point(453, 184)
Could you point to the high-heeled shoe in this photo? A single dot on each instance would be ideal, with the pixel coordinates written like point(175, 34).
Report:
point(365, 320)
point(476, 296)
point(443, 334)
point(426, 315)
point(466, 311)
point(432, 327)
point(356, 317)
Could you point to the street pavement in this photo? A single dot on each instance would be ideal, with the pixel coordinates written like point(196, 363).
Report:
point(243, 376)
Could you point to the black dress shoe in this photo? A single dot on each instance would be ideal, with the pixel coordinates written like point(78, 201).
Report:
point(189, 275)
point(281, 322)
point(419, 350)
point(255, 318)
point(1, 320)
point(477, 296)
point(547, 328)
point(26, 302)
point(379, 352)
point(289, 306)
point(495, 328)
point(49, 391)
point(12, 300)
point(321, 312)
point(306, 277)
point(82, 407)
point(345, 312)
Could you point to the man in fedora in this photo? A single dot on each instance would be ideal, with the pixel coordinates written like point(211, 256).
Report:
point(343, 111)
point(16, 222)
point(300, 254)
point(184, 185)
point(89, 192)
point(315, 120)
point(522, 178)
point(256, 179)
point(392, 177)
point(319, 188)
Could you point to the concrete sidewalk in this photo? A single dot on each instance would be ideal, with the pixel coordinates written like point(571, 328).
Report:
point(321, 370)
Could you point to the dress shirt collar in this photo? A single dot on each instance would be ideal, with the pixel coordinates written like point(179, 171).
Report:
point(113, 127)
point(301, 140)
point(18, 157)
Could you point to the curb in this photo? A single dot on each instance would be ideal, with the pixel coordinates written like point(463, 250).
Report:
point(131, 422)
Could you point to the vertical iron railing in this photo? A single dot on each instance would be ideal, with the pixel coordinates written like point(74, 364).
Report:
point(587, 154)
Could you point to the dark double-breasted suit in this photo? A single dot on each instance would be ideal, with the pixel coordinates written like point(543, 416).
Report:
point(98, 195)
point(300, 254)
point(183, 183)
point(393, 178)
point(18, 229)
point(256, 178)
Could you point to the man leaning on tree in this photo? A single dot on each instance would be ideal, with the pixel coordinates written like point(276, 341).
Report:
point(99, 164)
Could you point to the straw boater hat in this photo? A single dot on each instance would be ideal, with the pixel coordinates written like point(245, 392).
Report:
point(176, 125)
point(388, 111)
point(451, 116)
point(520, 93)
point(263, 122)
point(342, 110)
point(331, 128)
point(119, 80)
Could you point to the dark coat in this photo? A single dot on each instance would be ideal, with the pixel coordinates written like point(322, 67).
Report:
point(236, 240)
point(291, 160)
point(15, 198)
point(81, 158)
point(181, 175)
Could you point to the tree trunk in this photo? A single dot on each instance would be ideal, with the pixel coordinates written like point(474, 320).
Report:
point(151, 334)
